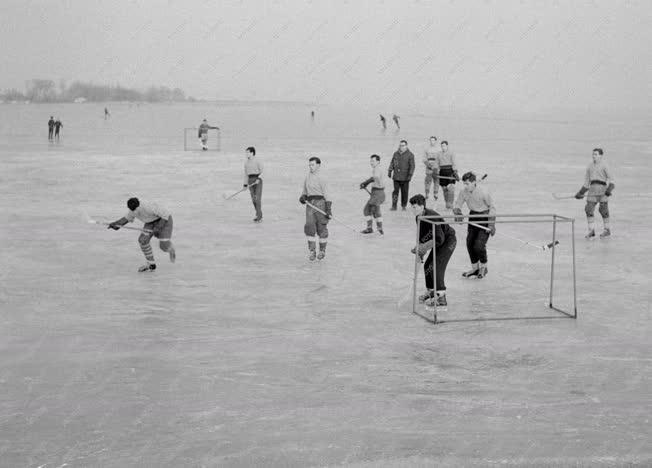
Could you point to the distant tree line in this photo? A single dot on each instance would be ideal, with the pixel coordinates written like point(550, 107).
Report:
point(39, 90)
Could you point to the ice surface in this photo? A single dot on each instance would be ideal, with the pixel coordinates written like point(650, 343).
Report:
point(243, 353)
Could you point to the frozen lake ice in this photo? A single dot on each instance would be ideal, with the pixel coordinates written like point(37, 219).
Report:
point(243, 353)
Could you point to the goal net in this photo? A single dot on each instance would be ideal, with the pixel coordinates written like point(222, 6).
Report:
point(531, 271)
point(191, 141)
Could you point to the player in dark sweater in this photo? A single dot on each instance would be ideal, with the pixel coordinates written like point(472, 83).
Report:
point(444, 243)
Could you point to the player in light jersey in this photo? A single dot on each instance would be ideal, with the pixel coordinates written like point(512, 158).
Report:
point(431, 162)
point(447, 169)
point(202, 133)
point(377, 197)
point(315, 192)
point(158, 223)
point(599, 183)
point(479, 201)
point(253, 168)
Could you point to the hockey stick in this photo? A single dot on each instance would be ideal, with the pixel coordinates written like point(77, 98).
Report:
point(229, 197)
point(538, 247)
point(332, 217)
point(453, 178)
point(90, 220)
point(557, 196)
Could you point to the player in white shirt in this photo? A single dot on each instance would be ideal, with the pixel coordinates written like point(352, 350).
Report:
point(377, 196)
point(158, 223)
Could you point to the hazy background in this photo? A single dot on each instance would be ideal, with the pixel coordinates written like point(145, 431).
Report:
point(485, 56)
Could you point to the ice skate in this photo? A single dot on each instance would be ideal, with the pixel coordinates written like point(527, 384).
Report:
point(441, 301)
point(321, 255)
point(472, 272)
point(590, 235)
point(367, 231)
point(380, 231)
point(605, 233)
point(427, 295)
point(147, 268)
point(482, 271)
point(312, 256)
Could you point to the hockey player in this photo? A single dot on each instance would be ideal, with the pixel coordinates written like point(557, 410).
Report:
point(431, 162)
point(158, 223)
point(395, 119)
point(50, 127)
point(57, 128)
point(600, 185)
point(383, 121)
point(447, 169)
point(444, 244)
point(402, 168)
point(253, 168)
point(372, 207)
point(479, 201)
point(202, 133)
point(315, 192)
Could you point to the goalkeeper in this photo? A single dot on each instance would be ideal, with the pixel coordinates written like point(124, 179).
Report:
point(479, 201)
point(202, 133)
point(444, 244)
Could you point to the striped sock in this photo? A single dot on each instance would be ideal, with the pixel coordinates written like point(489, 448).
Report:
point(147, 251)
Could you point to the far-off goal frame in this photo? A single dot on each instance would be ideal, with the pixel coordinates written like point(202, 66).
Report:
point(191, 140)
point(554, 219)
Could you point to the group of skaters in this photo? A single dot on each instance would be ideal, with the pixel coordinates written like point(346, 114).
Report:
point(395, 118)
point(436, 240)
point(54, 128)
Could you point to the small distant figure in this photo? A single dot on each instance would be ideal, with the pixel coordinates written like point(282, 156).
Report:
point(395, 119)
point(107, 114)
point(50, 128)
point(202, 133)
point(383, 121)
point(253, 168)
point(57, 128)
point(312, 115)
point(599, 184)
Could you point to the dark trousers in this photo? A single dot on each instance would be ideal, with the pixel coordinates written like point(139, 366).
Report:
point(256, 192)
point(404, 187)
point(50, 130)
point(476, 243)
point(444, 253)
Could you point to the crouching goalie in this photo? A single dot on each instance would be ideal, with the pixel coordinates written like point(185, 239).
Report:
point(444, 244)
point(158, 223)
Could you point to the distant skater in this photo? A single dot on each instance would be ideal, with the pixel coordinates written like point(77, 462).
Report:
point(106, 113)
point(599, 183)
point(447, 174)
point(444, 245)
point(371, 209)
point(479, 201)
point(50, 128)
point(431, 163)
point(395, 119)
point(57, 128)
point(253, 169)
point(202, 133)
point(158, 223)
point(312, 115)
point(383, 121)
point(400, 170)
point(315, 192)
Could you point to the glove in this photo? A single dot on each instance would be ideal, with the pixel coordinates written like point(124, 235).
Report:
point(459, 216)
point(244, 186)
point(610, 189)
point(114, 226)
point(329, 214)
point(414, 250)
point(364, 184)
point(456, 175)
point(579, 195)
point(492, 229)
point(303, 199)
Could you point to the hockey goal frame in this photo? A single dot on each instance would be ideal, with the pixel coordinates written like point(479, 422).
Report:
point(554, 219)
point(190, 141)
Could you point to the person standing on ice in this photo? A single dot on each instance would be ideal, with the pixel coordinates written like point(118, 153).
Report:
point(50, 127)
point(377, 197)
point(315, 192)
point(158, 223)
point(253, 168)
point(202, 133)
point(479, 201)
point(431, 162)
point(600, 185)
point(57, 128)
point(444, 244)
point(395, 119)
point(447, 174)
point(383, 121)
point(402, 168)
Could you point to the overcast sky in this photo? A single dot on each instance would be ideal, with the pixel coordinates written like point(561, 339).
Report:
point(477, 54)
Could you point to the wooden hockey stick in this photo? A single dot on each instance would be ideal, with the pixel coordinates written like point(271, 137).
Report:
point(229, 197)
point(538, 247)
